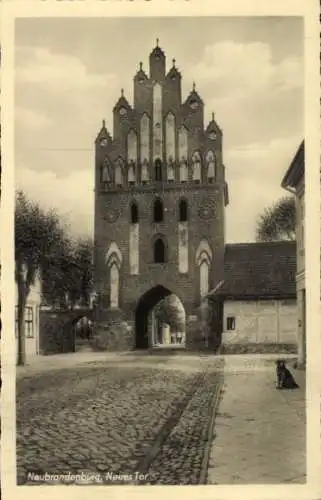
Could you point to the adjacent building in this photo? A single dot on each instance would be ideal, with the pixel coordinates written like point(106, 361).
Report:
point(258, 296)
point(31, 319)
point(294, 182)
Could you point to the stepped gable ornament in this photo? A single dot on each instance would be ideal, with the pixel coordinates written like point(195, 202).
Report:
point(212, 134)
point(207, 209)
point(104, 136)
point(111, 214)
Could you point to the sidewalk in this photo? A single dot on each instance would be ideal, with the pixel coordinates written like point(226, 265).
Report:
point(260, 431)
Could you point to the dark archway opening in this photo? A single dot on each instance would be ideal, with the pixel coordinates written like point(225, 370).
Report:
point(183, 211)
point(158, 211)
point(134, 214)
point(83, 330)
point(159, 251)
point(144, 307)
point(158, 170)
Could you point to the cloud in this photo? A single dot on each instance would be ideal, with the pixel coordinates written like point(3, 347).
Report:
point(257, 98)
point(32, 119)
point(72, 196)
point(57, 71)
point(254, 174)
point(58, 88)
point(236, 70)
point(254, 96)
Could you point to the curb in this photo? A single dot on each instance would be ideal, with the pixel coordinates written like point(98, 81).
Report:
point(166, 429)
point(210, 430)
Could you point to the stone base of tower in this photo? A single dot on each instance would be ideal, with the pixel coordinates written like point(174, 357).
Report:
point(115, 330)
point(112, 332)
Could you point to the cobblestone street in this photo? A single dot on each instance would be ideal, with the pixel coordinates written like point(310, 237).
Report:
point(153, 415)
point(150, 416)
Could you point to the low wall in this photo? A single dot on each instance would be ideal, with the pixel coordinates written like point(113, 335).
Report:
point(56, 330)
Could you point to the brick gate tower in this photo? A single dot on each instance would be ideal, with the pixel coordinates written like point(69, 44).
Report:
point(160, 197)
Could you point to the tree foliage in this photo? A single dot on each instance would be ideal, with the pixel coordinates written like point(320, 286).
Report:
point(277, 222)
point(39, 238)
point(167, 311)
point(68, 280)
point(43, 248)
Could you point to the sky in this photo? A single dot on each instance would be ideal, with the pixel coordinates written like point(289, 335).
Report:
point(69, 73)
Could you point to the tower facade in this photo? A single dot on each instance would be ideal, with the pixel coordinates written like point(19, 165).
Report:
point(160, 197)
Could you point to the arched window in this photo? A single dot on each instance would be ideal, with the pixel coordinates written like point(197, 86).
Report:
point(170, 136)
point(114, 285)
point(182, 143)
point(119, 173)
point(158, 211)
point(158, 170)
point(196, 161)
point(204, 260)
point(144, 172)
point(159, 251)
point(134, 213)
point(144, 137)
point(204, 272)
point(113, 260)
point(105, 172)
point(132, 147)
point(211, 167)
point(131, 173)
point(183, 171)
point(183, 211)
point(170, 170)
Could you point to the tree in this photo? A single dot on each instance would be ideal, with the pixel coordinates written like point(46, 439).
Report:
point(68, 279)
point(55, 276)
point(39, 238)
point(277, 222)
point(81, 272)
point(168, 311)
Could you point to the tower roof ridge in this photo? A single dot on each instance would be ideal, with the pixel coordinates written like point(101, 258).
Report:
point(157, 50)
point(122, 101)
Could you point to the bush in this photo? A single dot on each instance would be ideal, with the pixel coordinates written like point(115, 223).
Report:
point(112, 336)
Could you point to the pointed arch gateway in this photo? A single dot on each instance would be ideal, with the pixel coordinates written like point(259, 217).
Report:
point(147, 328)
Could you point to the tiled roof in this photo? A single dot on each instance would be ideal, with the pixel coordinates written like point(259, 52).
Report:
point(295, 172)
point(259, 270)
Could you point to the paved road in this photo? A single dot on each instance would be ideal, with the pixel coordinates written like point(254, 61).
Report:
point(108, 417)
point(122, 414)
